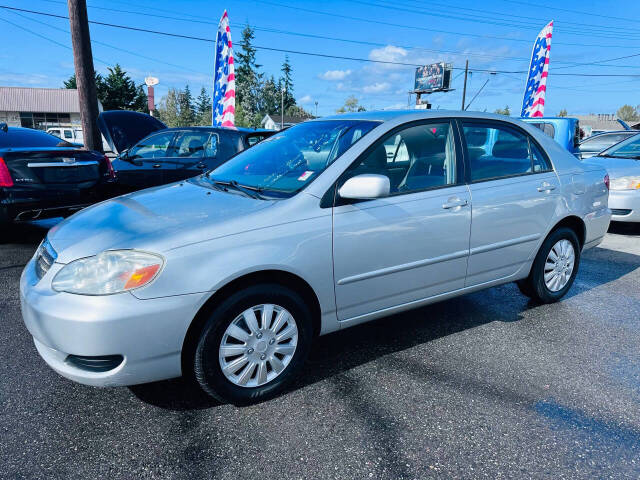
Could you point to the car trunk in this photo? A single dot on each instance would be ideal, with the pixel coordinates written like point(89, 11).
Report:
point(54, 167)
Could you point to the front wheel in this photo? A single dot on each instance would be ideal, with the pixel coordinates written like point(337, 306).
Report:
point(253, 344)
point(554, 268)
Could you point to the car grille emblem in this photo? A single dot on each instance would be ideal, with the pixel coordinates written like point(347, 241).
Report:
point(69, 160)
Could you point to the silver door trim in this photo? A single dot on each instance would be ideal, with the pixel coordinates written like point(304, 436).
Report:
point(81, 163)
point(403, 267)
point(505, 243)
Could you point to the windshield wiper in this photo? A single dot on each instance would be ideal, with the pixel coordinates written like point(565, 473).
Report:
point(253, 192)
point(628, 157)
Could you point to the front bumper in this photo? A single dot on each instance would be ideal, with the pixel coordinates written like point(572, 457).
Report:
point(148, 334)
point(625, 205)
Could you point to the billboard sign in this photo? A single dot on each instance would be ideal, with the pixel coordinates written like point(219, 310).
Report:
point(434, 77)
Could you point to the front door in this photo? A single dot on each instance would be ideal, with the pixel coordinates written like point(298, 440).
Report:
point(413, 244)
point(514, 192)
point(194, 152)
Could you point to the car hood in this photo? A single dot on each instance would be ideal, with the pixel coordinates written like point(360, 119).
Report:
point(157, 219)
point(616, 167)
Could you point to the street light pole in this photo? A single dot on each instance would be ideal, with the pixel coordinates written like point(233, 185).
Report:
point(85, 75)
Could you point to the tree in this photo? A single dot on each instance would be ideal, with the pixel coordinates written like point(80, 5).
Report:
point(248, 82)
point(627, 113)
point(203, 108)
point(168, 110)
point(351, 105)
point(186, 115)
point(100, 87)
point(286, 82)
point(270, 97)
point(503, 111)
point(121, 93)
point(563, 113)
point(298, 111)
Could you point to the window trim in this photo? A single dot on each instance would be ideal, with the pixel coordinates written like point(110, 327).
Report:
point(331, 199)
point(490, 123)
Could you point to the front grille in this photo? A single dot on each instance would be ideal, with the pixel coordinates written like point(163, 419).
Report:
point(45, 257)
point(102, 363)
point(620, 211)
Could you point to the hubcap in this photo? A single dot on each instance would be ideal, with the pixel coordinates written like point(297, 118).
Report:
point(258, 345)
point(559, 265)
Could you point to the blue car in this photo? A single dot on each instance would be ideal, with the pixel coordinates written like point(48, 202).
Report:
point(564, 130)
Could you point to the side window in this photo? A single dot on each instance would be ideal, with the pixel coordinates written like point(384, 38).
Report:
point(68, 134)
point(416, 158)
point(253, 139)
point(540, 162)
point(196, 145)
point(152, 146)
point(505, 153)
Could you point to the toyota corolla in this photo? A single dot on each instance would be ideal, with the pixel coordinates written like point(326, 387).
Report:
point(229, 276)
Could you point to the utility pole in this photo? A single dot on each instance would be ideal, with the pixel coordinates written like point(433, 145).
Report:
point(284, 88)
point(85, 75)
point(464, 90)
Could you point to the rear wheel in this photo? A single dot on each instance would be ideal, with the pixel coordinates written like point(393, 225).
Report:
point(554, 268)
point(253, 344)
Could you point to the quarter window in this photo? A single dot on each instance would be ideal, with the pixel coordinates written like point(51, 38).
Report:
point(506, 152)
point(417, 158)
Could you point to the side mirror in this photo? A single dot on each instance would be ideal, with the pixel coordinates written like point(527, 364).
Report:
point(365, 187)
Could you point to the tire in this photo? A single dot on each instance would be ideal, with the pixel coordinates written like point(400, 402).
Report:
point(535, 286)
point(262, 348)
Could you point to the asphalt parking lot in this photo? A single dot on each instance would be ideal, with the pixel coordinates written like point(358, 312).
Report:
point(484, 386)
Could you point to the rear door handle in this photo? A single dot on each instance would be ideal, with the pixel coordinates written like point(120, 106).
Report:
point(455, 203)
point(546, 187)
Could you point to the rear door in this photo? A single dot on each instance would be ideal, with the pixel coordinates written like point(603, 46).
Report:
point(193, 152)
point(514, 193)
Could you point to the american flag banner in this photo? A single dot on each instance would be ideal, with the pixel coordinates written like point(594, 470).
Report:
point(536, 88)
point(224, 79)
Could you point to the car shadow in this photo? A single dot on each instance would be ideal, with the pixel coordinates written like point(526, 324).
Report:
point(625, 228)
point(342, 351)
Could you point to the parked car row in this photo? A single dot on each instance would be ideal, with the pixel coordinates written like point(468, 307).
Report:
point(44, 176)
point(229, 276)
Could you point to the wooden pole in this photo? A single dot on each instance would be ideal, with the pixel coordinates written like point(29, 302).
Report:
point(464, 90)
point(85, 75)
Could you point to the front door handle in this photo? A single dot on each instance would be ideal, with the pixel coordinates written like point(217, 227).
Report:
point(201, 165)
point(546, 187)
point(156, 165)
point(455, 203)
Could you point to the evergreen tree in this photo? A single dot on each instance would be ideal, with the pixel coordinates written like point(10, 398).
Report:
point(100, 86)
point(270, 97)
point(563, 113)
point(286, 82)
point(248, 82)
point(203, 108)
point(168, 110)
point(121, 92)
point(186, 116)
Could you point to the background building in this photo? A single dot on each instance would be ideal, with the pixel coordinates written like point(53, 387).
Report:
point(39, 108)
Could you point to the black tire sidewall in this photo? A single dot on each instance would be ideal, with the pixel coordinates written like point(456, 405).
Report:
point(540, 289)
point(206, 364)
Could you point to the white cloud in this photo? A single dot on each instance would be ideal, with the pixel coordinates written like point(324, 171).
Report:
point(305, 100)
point(377, 87)
point(333, 75)
point(390, 53)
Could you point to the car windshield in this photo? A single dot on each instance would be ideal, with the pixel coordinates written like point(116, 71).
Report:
point(629, 148)
point(27, 137)
point(291, 159)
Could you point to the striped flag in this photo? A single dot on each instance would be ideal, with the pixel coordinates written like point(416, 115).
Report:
point(224, 79)
point(536, 88)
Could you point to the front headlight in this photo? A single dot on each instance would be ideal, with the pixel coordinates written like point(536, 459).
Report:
point(625, 183)
point(112, 271)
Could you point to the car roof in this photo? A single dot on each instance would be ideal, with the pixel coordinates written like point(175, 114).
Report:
point(225, 129)
point(389, 115)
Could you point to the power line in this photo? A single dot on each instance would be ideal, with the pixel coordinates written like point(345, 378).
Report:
point(572, 11)
point(338, 39)
point(314, 54)
point(431, 30)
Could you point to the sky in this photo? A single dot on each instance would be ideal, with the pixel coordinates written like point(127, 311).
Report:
point(494, 35)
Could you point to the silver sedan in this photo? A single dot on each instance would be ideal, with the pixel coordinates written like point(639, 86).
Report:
point(229, 276)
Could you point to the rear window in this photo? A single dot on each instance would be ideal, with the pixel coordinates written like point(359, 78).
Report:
point(547, 128)
point(26, 137)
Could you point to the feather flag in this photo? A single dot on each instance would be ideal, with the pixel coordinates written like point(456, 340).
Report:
point(536, 88)
point(224, 79)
